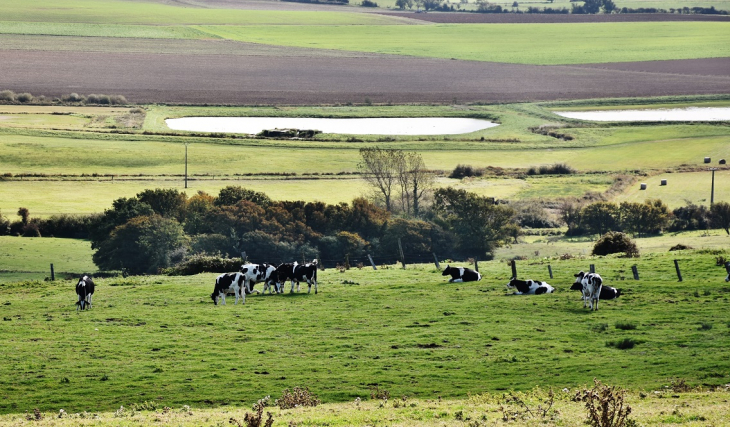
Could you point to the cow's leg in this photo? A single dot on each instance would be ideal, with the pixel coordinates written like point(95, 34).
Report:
point(223, 297)
point(89, 300)
point(292, 287)
point(78, 303)
point(315, 286)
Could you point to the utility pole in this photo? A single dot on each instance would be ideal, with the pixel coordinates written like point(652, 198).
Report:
point(186, 165)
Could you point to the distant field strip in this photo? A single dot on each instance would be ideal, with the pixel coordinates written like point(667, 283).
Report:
point(124, 12)
point(102, 30)
point(540, 44)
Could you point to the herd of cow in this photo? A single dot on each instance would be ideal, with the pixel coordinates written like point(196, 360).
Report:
point(274, 278)
point(590, 284)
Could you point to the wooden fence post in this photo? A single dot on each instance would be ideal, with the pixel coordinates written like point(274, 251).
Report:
point(436, 260)
point(371, 262)
point(514, 269)
point(676, 267)
point(476, 263)
point(550, 270)
point(635, 270)
point(243, 257)
point(592, 268)
point(53, 274)
point(402, 257)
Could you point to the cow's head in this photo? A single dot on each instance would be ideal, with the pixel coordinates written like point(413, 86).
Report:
point(618, 292)
point(512, 283)
point(447, 271)
point(578, 278)
point(214, 297)
point(577, 286)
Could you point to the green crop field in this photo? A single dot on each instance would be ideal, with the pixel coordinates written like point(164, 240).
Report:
point(149, 13)
point(408, 331)
point(541, 44)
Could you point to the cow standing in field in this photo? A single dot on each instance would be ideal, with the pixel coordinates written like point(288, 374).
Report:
point(607, 292)
point(255, 273)
point(306, 273)
point(529, 287)
point(84, 290)
point(591, 285)
point(461, 274)
point(298, 273)
point(226, 282)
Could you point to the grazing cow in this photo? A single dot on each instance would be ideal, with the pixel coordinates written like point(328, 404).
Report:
point(306, 273)
point(283, 273)
point(591, 287)
point(226, 282)
point(255, 273)
point(529, 287)
point(727, 279)
point(461, 274)
point(607, 292)
point(85, 290)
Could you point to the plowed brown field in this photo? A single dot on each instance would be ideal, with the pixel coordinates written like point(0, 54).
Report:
point(214, 72)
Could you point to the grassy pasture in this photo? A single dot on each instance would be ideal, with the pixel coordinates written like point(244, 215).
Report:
point(108, 12)
point(29, 258)
point(540, 44)
point(681, 187)
point(664, 408)
point(405, 330)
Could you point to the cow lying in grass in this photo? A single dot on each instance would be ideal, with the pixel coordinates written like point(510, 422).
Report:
point(84, 290)
point(529, 287)
point(226, 282)
point(607, 292)
point(461, 274)
point(591, 284)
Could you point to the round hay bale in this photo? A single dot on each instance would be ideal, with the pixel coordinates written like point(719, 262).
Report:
point(722, 161)
point(664, 182)
point(708, 160)
point(643, 186)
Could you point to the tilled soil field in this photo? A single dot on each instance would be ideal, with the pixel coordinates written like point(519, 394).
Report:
point(542, 18)
point(294, 76)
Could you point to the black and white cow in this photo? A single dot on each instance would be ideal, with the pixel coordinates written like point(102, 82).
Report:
point(296, 272)
point(461, 274)
point(256, 273)
point(306, 273)
point(84, 290)
point(591, 284)
point(607, 292)
point(727, 279)
point(226, 282)
point(529, 287)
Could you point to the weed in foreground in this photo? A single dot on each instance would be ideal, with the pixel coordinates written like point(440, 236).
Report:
point(514, 407)
point(255, 420)
point(606, 405)
point(297, 397)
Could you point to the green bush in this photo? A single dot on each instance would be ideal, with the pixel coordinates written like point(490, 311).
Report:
point(615, 242)
point(7, 96)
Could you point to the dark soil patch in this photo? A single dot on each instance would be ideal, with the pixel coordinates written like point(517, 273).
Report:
point(295, 79)
point(689, 67)
point(541, 18)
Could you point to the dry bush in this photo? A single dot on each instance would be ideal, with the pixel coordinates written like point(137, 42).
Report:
point(514, 407)
point(606, 405)
point(297, 397)
point(255, 420)
point(35, 416)
point(378, 393)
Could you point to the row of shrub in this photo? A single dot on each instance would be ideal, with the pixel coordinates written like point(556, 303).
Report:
point(10, 97)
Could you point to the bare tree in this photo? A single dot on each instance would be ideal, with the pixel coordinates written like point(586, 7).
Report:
point(380, 170)
point(415, 180)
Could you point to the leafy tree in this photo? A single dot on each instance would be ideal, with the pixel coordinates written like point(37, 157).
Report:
point(196, 209)
point(123, 209)
point(479, 224)
point(233, 194)
point(720, 215)
point(169, 203)
point(600, 217)
point(144, 244)
point(690, 217)
point(402, 4)
point(430, 4)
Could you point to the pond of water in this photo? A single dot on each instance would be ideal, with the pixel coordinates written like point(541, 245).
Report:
point(368, 126)
point(691, 114)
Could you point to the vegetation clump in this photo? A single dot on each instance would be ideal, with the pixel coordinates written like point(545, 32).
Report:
point(616, 242)
point(297, 397)
point(466, 171)
point(606, 405)
point(556, 169)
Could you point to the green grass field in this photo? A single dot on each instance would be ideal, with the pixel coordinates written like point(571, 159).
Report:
point(541, 44)
point(405, 330)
